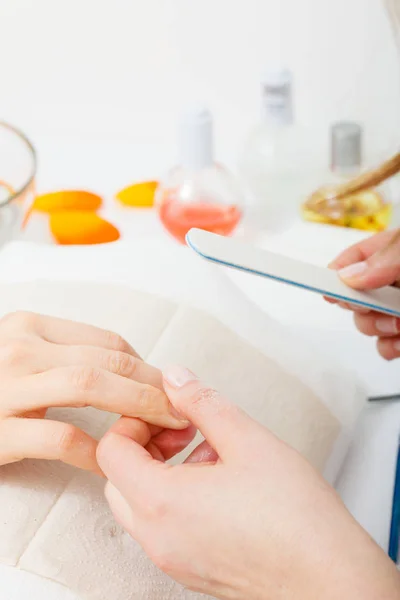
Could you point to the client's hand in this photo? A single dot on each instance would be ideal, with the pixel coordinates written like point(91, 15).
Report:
point(371, 264)
point(47, 362)
point(254, 521)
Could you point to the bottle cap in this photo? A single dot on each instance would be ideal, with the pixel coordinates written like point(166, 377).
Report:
point(277, 76)
point(196, 143)
point(277, 93)
point(346, 145)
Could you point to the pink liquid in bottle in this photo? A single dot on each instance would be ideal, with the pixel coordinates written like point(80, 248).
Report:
point(178, 218)
point(198, 192)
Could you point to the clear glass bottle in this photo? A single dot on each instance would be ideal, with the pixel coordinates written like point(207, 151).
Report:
point(370, 210)
point(199, 192)
point(274, 157)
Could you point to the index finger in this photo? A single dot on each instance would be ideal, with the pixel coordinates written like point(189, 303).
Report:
point(80, 387)
point(362, 250)
point(224, 425)
point(71, 333)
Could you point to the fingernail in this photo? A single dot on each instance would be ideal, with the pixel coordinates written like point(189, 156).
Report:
point(178, 377)
point(387, 325)
point(396, 346)
point(177, 415)
point(360, 309)
point(353, 270)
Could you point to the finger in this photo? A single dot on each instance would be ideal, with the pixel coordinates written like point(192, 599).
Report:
point(203, 454)
point(131, 469)
point(83, 386)
point(348, 306)
point(389, 348)
point(140, 432)
point(362, 250)
point(45, 439)
point(172, 442)
point(337, 302)
point(162, 444)
point(61, 331)
point(221, 422)
point(121, 510)
point(114, 361)
point(380, 269)
point(375, 324)
point(353, 308)
point(135, 429)
point(344, 305)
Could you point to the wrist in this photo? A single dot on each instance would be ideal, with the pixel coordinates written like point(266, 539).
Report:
point(353, 567)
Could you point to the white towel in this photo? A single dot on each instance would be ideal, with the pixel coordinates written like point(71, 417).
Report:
point(55, 522)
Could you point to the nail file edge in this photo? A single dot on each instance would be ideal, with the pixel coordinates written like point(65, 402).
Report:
point(242, 256)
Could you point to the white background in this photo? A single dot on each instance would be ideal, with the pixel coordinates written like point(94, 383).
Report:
point(112, 69)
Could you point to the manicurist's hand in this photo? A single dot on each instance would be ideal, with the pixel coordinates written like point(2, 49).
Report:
point(47, 362)
point(246, 517)
point(372, 264)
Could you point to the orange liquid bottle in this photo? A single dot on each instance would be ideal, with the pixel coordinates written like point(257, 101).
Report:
point(199, 193)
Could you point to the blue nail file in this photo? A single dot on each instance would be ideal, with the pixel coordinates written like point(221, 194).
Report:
point(233, 253)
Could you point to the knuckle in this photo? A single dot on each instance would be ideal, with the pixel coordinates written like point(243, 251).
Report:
point(158, 509)
point(21, 319)
point(150, 399)
point(203, 397)
point(116, 342)
point(209, 401)
point(15, 352)
point(121, 363)
point(67, 440)
point(84, 379)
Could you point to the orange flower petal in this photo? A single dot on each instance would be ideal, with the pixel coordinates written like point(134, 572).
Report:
point(67, 200)
point(81, 227)
point(139, 195)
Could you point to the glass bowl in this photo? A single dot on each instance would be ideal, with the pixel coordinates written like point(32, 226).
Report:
point(18, 167)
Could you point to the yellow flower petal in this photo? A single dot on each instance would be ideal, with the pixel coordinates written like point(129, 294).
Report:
point(81, 227)
point(139, 195)
point(67, 200)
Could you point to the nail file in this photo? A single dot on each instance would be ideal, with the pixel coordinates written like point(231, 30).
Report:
point(233, 253)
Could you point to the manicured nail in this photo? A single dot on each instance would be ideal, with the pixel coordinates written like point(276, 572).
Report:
point(178, 377)
point(353, 270)
point(387, 325)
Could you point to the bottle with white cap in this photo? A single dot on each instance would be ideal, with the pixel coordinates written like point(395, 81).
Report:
point(274, 157)
point(198, 192)
point(368, 210)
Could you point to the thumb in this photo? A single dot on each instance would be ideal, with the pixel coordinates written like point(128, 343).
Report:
point(227, 429)
point(130, 467)
point(380, 269)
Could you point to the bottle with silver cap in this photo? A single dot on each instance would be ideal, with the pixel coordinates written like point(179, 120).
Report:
point(198, 192)
point(369, 210)
point(346, 149)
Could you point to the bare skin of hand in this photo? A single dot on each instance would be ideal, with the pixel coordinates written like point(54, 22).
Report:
point(371, 264)
point(47, 362)
point(245, 517)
